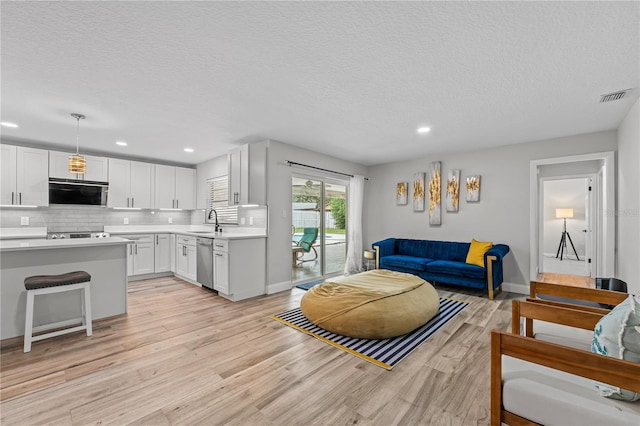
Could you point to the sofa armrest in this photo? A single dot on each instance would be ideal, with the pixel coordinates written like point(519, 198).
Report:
point(615, 372)
point(497, 250)
point(385, 247)
point(493, 266)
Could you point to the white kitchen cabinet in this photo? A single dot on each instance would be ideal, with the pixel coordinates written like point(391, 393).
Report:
point(175, 187)
point(25, 176)
point(163, 253)
point(130, 184)
point(247, 174)
point(97, 167)
point(232, 278)
point(140, 254)
point(186, 257)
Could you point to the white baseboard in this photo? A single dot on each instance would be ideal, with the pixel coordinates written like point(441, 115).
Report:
point(278, 287)
point(515, 288)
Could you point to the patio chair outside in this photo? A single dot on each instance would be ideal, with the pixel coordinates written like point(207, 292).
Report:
point(305, 245)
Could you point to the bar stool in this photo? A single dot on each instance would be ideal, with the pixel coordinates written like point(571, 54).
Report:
point(48, 284)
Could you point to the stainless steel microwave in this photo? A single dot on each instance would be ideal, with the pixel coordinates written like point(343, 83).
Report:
point(79, 192)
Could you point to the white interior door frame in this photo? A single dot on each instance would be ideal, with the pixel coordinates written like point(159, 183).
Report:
point(606, 207)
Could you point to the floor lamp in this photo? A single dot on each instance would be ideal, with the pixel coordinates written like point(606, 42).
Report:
point(565, 214)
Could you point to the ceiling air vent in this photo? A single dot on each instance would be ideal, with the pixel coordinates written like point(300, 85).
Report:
point(615, 96)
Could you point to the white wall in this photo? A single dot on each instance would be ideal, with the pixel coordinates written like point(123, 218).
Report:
point(501, 216)
point(279, 202)
point(558, 194)
point(628, 211)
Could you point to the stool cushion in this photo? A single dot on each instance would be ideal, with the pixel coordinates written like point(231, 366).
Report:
point(43, 281)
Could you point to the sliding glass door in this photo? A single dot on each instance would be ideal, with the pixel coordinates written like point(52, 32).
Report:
point(318, 229)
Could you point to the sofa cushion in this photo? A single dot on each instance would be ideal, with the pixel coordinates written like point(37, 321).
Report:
point(458, 269)
point(548, 396)
point(477, 249)
point(617, 335)
point(447, 250)
point(406, 262)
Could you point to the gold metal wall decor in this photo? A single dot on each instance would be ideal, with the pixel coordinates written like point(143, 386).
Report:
point(418, 192)
point(434, 193)
point(453, 190)
point(473, 189)
point(402, 193)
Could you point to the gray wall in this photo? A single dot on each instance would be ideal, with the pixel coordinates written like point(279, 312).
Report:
point(501, 216)
point(628, 211)
point(279, 201)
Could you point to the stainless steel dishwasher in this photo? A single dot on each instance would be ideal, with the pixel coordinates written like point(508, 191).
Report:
point(204, 266)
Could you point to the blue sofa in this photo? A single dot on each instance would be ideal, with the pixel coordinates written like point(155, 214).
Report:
point(442, 262)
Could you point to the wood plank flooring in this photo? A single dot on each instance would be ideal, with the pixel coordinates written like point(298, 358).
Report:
point(183, 356)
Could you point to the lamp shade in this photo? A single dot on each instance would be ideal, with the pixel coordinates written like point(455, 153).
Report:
point(369, 254)
point(564, 213)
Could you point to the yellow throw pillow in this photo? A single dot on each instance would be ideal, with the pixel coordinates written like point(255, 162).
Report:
point(477, 249)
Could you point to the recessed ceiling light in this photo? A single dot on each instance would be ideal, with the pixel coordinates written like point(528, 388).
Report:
point(424, 130)
point(188, 150)
point(7, 124)
point(121, 143)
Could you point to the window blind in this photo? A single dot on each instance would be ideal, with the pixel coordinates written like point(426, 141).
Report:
point(219, 200)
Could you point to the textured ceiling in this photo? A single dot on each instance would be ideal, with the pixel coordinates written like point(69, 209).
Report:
point(350, 79)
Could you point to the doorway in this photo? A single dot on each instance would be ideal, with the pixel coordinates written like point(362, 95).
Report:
point(601, 167)
point(318, 228)
point(567, 226)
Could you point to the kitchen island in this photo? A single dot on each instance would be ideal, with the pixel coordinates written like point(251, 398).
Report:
point(105, 259)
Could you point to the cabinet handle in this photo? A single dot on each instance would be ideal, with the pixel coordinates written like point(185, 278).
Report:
point(177, 204)
point(12, 196)
point(136, 249)
point(173, 204)
point(156, 240)
point(127, 201)
point(130, 248)
point(131, 201)
point(20, 195)
point(219, 254)
point(219, 245)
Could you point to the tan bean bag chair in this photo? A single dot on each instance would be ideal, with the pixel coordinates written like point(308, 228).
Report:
point(375, 304)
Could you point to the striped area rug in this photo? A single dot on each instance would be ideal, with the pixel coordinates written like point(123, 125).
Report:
point(384, 353)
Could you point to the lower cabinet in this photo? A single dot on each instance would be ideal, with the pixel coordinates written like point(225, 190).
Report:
point(163, 253)
point(239, 267)
point(141, 254)
point(186, 257)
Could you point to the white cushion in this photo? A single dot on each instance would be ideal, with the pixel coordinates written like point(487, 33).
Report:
point(552, 397)
point(576, 338)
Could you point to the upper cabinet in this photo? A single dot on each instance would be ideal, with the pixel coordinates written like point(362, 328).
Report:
point(25, 176)
point(97, 167)
point(247, 175)
point(175, 188)
point(130, 184)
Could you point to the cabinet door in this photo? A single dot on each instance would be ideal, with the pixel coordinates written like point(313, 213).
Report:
point(140, 184)
point(182, 262)
point(162, 253)
point(144, 258)
point(165, 187)
point(221, 271)
point(185, 188)
point(59, 165)
point(8, 175)
point(97, 169)
point(119, 177)
point(192, 263)
point(130, 258)
point(234, 177)
point(32, 178)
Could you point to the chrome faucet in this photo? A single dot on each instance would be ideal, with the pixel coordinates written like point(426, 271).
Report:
point(217, 228)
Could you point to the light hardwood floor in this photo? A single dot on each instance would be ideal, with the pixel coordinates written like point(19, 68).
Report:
point(183, 355)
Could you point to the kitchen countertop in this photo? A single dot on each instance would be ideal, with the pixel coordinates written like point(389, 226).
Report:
point(24, 244)
point(24, 232)
point(203, 231)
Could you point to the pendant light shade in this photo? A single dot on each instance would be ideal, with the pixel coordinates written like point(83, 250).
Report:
point(77, 163)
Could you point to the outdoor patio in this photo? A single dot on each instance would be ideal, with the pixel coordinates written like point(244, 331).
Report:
point(335, 248)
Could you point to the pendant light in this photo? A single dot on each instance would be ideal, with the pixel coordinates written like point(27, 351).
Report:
point(77, 163)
